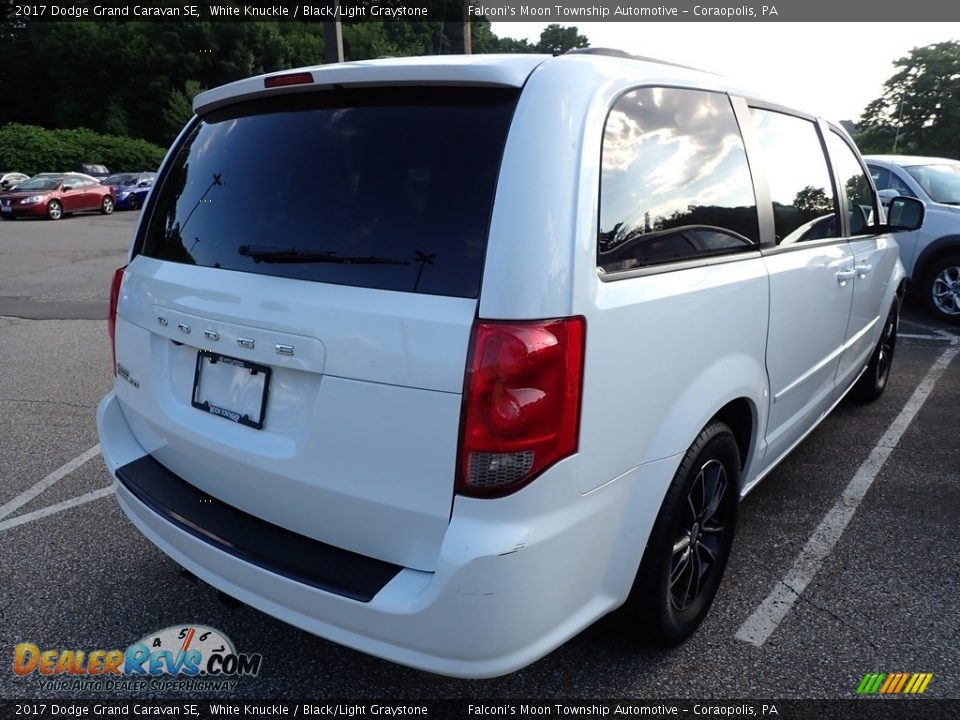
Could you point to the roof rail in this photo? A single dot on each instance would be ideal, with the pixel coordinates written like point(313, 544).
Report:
point(614, 52)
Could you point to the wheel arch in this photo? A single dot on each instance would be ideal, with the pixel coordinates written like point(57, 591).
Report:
point(941, 247)
point(740, 415)
point(650, 483)
point(732, 390)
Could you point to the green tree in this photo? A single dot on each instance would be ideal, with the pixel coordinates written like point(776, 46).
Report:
point(919, 111)
point(137, 79)
point(556, 40)
point(179, 107)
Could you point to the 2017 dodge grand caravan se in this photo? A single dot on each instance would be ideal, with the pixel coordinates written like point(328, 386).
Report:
point(497, 348)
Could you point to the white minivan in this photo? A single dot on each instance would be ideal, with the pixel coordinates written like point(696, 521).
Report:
point(444, 358)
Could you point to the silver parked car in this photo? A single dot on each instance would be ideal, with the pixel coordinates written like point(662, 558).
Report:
point(930, 255)
point(11, 179)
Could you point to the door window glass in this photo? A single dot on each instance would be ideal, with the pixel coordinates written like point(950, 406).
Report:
point(804, 206)
point(859, 204)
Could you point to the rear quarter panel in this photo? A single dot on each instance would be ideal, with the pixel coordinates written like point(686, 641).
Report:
point(663, 352)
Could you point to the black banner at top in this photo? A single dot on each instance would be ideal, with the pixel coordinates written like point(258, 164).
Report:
point(487, 709)
point(860, 12)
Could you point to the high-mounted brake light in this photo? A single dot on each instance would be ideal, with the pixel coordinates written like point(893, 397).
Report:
point(521, 403)
point(301, 78)
point(112, 314)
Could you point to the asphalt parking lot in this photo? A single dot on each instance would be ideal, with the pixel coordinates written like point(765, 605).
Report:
point(868, 573)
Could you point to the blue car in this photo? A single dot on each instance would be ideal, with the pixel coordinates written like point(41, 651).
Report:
point(130, 189)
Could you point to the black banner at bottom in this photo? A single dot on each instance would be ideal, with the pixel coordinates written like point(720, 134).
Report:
point(857, 709)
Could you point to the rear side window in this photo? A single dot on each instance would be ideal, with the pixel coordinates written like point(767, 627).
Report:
point(388, 188)
point(675, 183)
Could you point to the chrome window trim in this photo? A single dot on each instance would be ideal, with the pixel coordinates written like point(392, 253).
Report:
point(751, 254)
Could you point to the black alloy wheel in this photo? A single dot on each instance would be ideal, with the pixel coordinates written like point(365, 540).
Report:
point(690, 543)
point(873, 382)
point(699, 536)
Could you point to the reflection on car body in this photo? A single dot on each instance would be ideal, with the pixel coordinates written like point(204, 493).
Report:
point(678, 243)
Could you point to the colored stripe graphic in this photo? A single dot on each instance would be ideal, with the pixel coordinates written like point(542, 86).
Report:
point(889, 683)
point(875, 685)
point(900, 683)
point(894, 683)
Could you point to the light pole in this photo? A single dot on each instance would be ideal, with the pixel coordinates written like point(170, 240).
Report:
point(333, 38)
point(896, 137)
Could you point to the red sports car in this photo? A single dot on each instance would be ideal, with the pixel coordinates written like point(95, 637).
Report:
point(53, 196)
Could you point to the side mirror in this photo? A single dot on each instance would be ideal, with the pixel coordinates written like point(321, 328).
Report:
point(144, 184)
point(905, 213)
point(69, 187)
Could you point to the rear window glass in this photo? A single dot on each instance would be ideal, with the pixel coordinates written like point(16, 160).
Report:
point(388, 188)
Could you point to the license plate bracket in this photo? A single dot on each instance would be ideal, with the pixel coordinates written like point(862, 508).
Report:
point(231, 388)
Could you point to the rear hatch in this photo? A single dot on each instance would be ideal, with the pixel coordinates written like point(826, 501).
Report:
point(293, 327)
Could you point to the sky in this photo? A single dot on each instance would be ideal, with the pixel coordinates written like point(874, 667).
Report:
point(828, 69)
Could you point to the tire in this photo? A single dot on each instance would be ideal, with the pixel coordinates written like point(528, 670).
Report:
point(54, 210)
point(675, 584)
point(941, 288)
point(873, 382)
point(106, 205)
point(133, 203)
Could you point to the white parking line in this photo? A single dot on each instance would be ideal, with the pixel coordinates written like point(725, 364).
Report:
point(914, 336)
point(935, 335)
point(58, 474)
point(59, 507)
point(771, 612)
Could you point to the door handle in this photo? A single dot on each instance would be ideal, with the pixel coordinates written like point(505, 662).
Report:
point(845, 275)
point(863, 270)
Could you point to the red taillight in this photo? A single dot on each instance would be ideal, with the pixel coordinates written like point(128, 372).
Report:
point(302, 78)
point(521, 403)
point(112, 316)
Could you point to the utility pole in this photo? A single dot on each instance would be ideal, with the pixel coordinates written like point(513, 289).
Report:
point(467, 37)
point(896, 138)
point(333, 38)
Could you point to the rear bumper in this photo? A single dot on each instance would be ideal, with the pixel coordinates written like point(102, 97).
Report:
point(516, 577)
point(252, 539)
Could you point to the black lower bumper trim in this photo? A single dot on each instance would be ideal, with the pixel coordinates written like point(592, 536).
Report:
point(254, 540)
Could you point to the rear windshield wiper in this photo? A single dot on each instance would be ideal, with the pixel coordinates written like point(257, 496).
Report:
point(268, 253)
